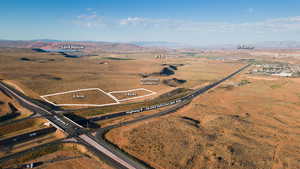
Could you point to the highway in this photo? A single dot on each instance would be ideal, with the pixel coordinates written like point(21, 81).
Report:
point(67, 126)
point(181, 102)
point(188, 97)
point(26, 137)
point(98, 143)
point(105, 151)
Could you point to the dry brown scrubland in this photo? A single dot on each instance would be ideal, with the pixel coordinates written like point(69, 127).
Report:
point(46, 73)
point(82, 158)
point(4, 100)
point(21, 127)
point(244, 127)
point(64, 155)
point(253, 126)
point(79, 161)
point(89, 97)
point(5, 109)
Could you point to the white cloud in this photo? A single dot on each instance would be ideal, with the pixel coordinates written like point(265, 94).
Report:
point(284, 24)
point(269, 25)
point(133, 21)
point(91, 19)
point(91, 16)
point(292, 19)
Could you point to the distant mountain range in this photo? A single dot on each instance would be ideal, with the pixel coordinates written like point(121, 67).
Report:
point(89, 46)
point(161, 44)
point(46, 40)
point(138, 45)
point(278, 45)
point(258, 45)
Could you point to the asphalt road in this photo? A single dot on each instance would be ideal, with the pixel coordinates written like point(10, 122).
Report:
point(26, 137)
point(188, 97)
point(100, 134)
point(67, 126)
point(121, 159)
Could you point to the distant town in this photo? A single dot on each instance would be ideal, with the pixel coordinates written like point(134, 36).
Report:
point(277, 69)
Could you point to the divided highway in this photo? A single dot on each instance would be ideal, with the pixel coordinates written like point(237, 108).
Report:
point(27, 136)
point(67, 126)
point(179, 100)
point(120, 159)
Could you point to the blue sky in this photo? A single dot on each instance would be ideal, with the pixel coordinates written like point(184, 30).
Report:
point(197, 22)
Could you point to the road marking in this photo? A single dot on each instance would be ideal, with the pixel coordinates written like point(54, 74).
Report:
point(73, 122)
point(84, 137)
point(105, 151)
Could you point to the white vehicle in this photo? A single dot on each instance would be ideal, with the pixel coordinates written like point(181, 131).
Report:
point(32, 134)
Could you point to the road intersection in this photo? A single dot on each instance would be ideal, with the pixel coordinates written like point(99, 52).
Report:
point(98, 143)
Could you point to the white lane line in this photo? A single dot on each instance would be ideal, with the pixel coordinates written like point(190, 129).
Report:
point(84, 137)
point(70, 139)
point(73, 122)
point(105, 151)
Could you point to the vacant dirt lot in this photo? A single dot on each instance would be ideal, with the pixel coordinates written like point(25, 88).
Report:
point(253, 125)
point(131, 94)
point(82, 97)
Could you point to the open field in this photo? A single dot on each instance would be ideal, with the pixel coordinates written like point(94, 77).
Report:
point(66, 155)
point(24, 126)
point(243, 126)
point(47, 73)
point(31, 144)
point(170, 95)
point(82, 96)
point(4, 107)
point(131, 94)
point(57, 73)
point(105, 123)
point(77, 160)
point(10, 106)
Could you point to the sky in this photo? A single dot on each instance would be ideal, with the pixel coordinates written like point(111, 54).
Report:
point(194, 22)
